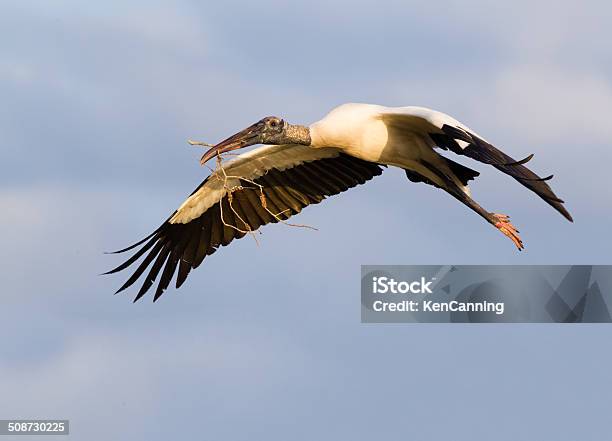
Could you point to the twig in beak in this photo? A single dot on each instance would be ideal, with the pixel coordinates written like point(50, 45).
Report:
point(199, 143)
point(262, 197)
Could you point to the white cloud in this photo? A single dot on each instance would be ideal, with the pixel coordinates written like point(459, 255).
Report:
point(168, 26)
point(109, 381)
point(16, 72)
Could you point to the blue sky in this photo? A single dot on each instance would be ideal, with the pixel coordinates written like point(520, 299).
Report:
point(265, 341)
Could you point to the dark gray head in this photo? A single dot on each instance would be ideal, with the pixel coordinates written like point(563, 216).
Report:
point(269, 130)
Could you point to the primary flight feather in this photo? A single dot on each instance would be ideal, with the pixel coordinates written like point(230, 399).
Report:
point(298, 166)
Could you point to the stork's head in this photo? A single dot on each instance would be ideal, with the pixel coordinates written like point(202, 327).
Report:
point(269, 130)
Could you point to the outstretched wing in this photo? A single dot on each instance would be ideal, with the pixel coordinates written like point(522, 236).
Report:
point(449, 134)
point(265, 185)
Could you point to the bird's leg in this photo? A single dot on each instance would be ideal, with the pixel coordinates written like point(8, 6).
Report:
point(499, 221)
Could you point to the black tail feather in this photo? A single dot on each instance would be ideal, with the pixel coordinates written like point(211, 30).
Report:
point(464, 173)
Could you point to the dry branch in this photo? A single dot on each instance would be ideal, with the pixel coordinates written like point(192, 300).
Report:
point(220, 173)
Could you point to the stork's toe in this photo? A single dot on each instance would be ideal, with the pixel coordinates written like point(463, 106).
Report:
point(503, 224)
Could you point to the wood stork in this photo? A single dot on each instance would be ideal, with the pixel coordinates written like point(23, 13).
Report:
point(298, 166)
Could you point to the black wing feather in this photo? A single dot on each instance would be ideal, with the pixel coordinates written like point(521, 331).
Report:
point(285, 192)
point(482, 151)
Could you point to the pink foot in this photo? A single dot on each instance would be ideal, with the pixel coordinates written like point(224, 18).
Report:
point(503, 224)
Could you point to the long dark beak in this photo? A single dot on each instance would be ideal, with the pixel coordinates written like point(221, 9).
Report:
point(249, 136)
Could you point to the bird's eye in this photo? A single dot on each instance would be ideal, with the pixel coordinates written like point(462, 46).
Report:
point(273, 123)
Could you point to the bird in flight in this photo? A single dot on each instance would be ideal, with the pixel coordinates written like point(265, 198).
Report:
point(298, 165)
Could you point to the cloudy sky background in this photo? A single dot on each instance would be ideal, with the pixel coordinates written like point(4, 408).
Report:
point(98, 99)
